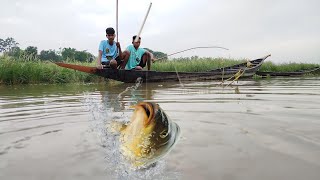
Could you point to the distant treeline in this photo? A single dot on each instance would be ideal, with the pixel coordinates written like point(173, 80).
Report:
point(158, 54)
point(9, 47)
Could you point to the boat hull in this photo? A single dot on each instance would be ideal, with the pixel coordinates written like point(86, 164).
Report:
point(130, 76)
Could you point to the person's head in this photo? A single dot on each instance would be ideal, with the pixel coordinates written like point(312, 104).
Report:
point(110, 34)
point(136, 44)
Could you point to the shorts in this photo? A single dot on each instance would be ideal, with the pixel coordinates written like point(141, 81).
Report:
point(106, 64)
point(141, 64)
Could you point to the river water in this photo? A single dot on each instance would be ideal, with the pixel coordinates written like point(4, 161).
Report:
point(265, 129)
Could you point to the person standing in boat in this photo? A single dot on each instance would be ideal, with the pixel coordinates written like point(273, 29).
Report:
point(109, 51)
point(135, 57)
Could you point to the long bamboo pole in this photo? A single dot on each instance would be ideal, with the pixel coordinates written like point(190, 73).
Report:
point(117, 19)
point(144, 21)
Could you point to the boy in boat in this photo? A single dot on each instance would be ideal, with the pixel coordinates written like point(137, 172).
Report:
point(135, 57)
point(109, 56)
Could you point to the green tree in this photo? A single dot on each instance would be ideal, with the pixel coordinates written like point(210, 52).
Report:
point(2, 45)
point(149, 50)
point(49, 55)
point(7, 44)
point(83, 56)
point(73, 54)
point(68, 53)
point(31, 51)
point(15, 52)
point(158, 54)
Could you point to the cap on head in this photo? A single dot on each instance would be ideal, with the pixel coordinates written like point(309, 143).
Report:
point(134, 37)
point(110, 30)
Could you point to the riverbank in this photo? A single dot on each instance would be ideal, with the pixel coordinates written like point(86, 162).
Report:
point(205, 64)
point(22, 71)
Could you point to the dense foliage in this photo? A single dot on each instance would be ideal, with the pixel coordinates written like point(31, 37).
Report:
point(27, 66)
point(9, 47)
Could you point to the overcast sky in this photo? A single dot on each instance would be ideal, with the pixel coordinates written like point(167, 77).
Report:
point(287, 29)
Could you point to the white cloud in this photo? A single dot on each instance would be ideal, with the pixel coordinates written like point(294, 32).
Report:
point(12, 20)
point(249, 28)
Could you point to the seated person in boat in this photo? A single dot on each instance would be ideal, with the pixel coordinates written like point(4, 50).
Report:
point(109, 51)
point(136, 58)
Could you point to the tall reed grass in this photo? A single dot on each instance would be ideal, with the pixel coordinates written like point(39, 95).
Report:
point(29, 70)
point(269, 66)
point(194, 65)
point(204, 64)
point(24, 71)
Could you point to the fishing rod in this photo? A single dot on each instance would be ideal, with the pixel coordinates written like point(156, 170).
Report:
point(202, 47)
point(117, 19)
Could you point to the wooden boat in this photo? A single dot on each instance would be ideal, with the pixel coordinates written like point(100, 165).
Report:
point(130, 76)
point(288, 74)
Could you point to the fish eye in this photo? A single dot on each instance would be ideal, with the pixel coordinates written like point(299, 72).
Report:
point(164, 134)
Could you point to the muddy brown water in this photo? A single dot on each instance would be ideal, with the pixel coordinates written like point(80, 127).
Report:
point(266, 129)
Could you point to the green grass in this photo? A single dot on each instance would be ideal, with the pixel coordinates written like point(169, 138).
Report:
point(286, 67)
point(194, 65)
point(28, 70)
point(204, 64)
point(22, 71)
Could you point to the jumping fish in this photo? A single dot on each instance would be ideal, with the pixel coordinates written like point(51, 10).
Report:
point(149, 135)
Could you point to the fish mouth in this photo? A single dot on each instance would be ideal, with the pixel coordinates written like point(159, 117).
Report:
point(149, 109)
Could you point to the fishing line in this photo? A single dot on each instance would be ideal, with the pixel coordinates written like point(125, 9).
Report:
point(201, 47)
point(178, 77)
point(131, 88)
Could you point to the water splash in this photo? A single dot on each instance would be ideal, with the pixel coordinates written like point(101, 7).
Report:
point(132, 89)
point(102, 114)
point(181, 84)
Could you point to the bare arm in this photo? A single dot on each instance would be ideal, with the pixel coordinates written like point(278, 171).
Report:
point(120, 52)
point(151, 56)
point(99, 66)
